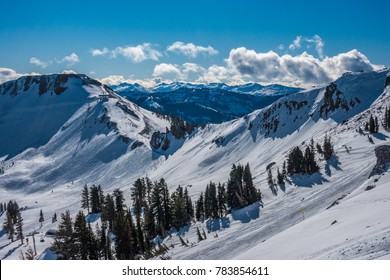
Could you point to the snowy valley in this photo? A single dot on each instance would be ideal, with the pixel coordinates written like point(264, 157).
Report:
point(61, 132)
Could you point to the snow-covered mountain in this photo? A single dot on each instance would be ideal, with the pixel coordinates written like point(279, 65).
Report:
point(199, 103)
point(339, 212)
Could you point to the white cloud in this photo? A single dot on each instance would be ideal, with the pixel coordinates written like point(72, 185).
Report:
point(118, 79)
point(71, 59)
point(167, 70)
point(137, 53)
point(191, 50)
point(97, 52)
point(296, 44)
point(38, 62)
point(303, 69)
point(319, 43)
point(7, 74)
point(68, 72)
point(308, 42)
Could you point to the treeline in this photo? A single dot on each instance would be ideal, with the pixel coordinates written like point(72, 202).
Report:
point(179, 127)
point(129, 233)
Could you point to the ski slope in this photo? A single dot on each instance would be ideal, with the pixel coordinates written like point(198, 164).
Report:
point(104, 139)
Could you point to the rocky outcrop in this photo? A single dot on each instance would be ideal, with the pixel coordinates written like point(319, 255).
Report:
point(382, 154)
point(159, 140)
point(387, 83)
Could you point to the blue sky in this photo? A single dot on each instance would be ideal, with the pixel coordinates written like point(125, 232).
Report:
point(291, 42)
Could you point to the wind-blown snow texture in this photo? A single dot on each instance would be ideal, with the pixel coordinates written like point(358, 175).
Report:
point(104, 139)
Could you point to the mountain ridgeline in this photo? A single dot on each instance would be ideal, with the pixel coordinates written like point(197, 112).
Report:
point(201, 104)
point(318, 163)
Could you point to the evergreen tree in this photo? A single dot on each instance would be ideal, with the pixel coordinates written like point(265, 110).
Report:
point(54, 218)
point(270, 180)
point(95, 199)
point(81, 237)
point(179, 211)
point(63, 242)
point(328, 147)
point(310, 164)
point(9, 226)
point(149, 223)
point(294, 161)
point(1, 207)
point(119, 201)
point(199, 208)
point(284, 170)
point(157, 208)
point(221, 196)
point(188, 205)
point(109, 214)
point(85, 198)
point(235, 197)
point(372, 124)
point(41, 218)
point(250, 192)
point(123, 242)
point(280, 177)
point(376, 124)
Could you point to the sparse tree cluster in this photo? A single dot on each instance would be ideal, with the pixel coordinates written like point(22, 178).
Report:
point(240, 188)
point(13, 223)
point(386, 119)
point(305, 162)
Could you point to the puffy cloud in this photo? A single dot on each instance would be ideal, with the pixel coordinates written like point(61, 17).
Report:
point(191, 50)
point(167, 70)
point(97, 52)
point(118, 79)
point(38, 62)
point(71, 59)
point(68, 72)
point(7, 74)
point(303, 69)
point(137, 53)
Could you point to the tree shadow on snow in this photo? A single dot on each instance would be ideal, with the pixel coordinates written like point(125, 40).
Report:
point(217, 224)
point(246, 214)
point(380, 136)
point(10, 252)
point(333, 162)
point(308, 181)
point(92, 217)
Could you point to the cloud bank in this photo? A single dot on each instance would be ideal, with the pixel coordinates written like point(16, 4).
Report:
point(191, 50)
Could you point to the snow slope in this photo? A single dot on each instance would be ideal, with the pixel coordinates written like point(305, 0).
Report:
point(106, 141)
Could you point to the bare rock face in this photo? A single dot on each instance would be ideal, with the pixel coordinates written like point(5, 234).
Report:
point(387, 83)
point(382, 154)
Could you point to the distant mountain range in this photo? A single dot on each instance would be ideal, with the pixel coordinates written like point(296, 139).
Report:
point(199, 103)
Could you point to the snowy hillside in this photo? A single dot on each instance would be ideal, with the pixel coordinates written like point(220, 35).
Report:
point(200, 104)
point(99, 137)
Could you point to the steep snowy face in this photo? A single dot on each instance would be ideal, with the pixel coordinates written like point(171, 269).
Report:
point(60, 128)
point(200, 104)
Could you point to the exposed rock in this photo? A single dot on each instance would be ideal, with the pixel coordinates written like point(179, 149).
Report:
point(159, 140)
point(387, 83)
point(382, 154)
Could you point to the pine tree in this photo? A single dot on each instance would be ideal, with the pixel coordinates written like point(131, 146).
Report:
point(85, 198)
point(250, 192)
point(63, 242)
point(328, 147)
point(372, 124)
point(41, 218)
point(80, 237)
point(119, 201)
point(9, 226)
point(54, 218)
point(188, 206)
point(235, 197)
point(95, 199)
point(123, 242)
point(199, 208)
point(19, 226)
point(108, 213)
point(294, 161)
point(280, 177)
point(376, 124)
point(270, 180)
point(310, 164)
point(284, 170)
point(221, 199)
